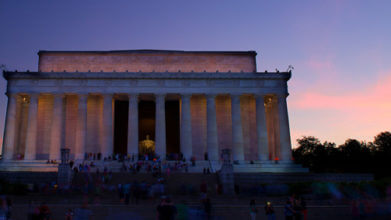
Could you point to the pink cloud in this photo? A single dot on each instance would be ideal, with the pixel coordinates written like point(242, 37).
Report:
point(361, 113)
point(376, 97)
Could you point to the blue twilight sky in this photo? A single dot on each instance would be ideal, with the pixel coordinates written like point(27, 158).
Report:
point(341, 50)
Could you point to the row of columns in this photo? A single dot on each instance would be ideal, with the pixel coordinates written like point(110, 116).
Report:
point(160, 127)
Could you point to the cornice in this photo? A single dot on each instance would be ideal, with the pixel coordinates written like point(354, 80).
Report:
point(147, 75)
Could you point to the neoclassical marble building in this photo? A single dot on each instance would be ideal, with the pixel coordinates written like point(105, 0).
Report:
point(189, 102)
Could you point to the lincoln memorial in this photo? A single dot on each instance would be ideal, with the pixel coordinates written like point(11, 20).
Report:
point(190, 103)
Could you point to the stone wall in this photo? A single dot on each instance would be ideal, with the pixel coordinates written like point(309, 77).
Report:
point(134, 61)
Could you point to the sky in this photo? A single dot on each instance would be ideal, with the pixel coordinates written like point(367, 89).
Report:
point(340, 50)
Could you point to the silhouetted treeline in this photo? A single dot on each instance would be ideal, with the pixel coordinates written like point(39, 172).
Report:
point(352, 156)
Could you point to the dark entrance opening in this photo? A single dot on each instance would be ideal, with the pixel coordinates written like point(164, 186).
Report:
point(121, 109)
point(146, 120)
point(172, 127)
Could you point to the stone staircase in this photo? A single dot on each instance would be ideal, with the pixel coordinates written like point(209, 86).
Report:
point(268, 167)
point(29, 177)
point(175, 183)
point(115, 166)
point(27, 166)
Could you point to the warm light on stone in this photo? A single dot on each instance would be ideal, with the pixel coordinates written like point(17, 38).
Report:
point(224, 104)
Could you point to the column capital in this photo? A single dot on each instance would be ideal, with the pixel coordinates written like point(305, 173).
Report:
point(235, 97)
point(210, 96)
point(133, 95)
point(160, 95)
point(259, 95)
point(58, 95)
point(235, 94)
point(82, 96)
point(34, 95)
point(107, 95)
point(186, 96)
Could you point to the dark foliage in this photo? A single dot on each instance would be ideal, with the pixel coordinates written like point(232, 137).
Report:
point(351, 157)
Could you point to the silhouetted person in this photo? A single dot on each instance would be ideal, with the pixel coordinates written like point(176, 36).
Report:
point(166, 210)
point(253, 210)
point(207, 208)
point(289, 212)
point(269, 211)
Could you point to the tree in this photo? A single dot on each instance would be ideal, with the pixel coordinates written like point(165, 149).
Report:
point(382, 142)
point(313, 154)
point(356, 156)
point(352, 156)
point(382, 154)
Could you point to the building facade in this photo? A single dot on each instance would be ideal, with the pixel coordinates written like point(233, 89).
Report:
point(108, 102)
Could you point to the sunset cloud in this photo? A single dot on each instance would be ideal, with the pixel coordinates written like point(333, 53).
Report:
point(361, 113)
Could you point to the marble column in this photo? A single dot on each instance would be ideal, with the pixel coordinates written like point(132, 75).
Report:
point(262, 138)
point(186, 139)
point(56, 128)
point(133, 125)
point(211, 128)
point(9, 130)
point(237, 131)
point(270, 121)
point(107, 149)
point(31, 136)
point(81, 131)
point(160, 126)
point(285, 138)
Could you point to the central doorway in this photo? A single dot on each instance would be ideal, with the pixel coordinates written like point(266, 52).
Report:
point(146, 125)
